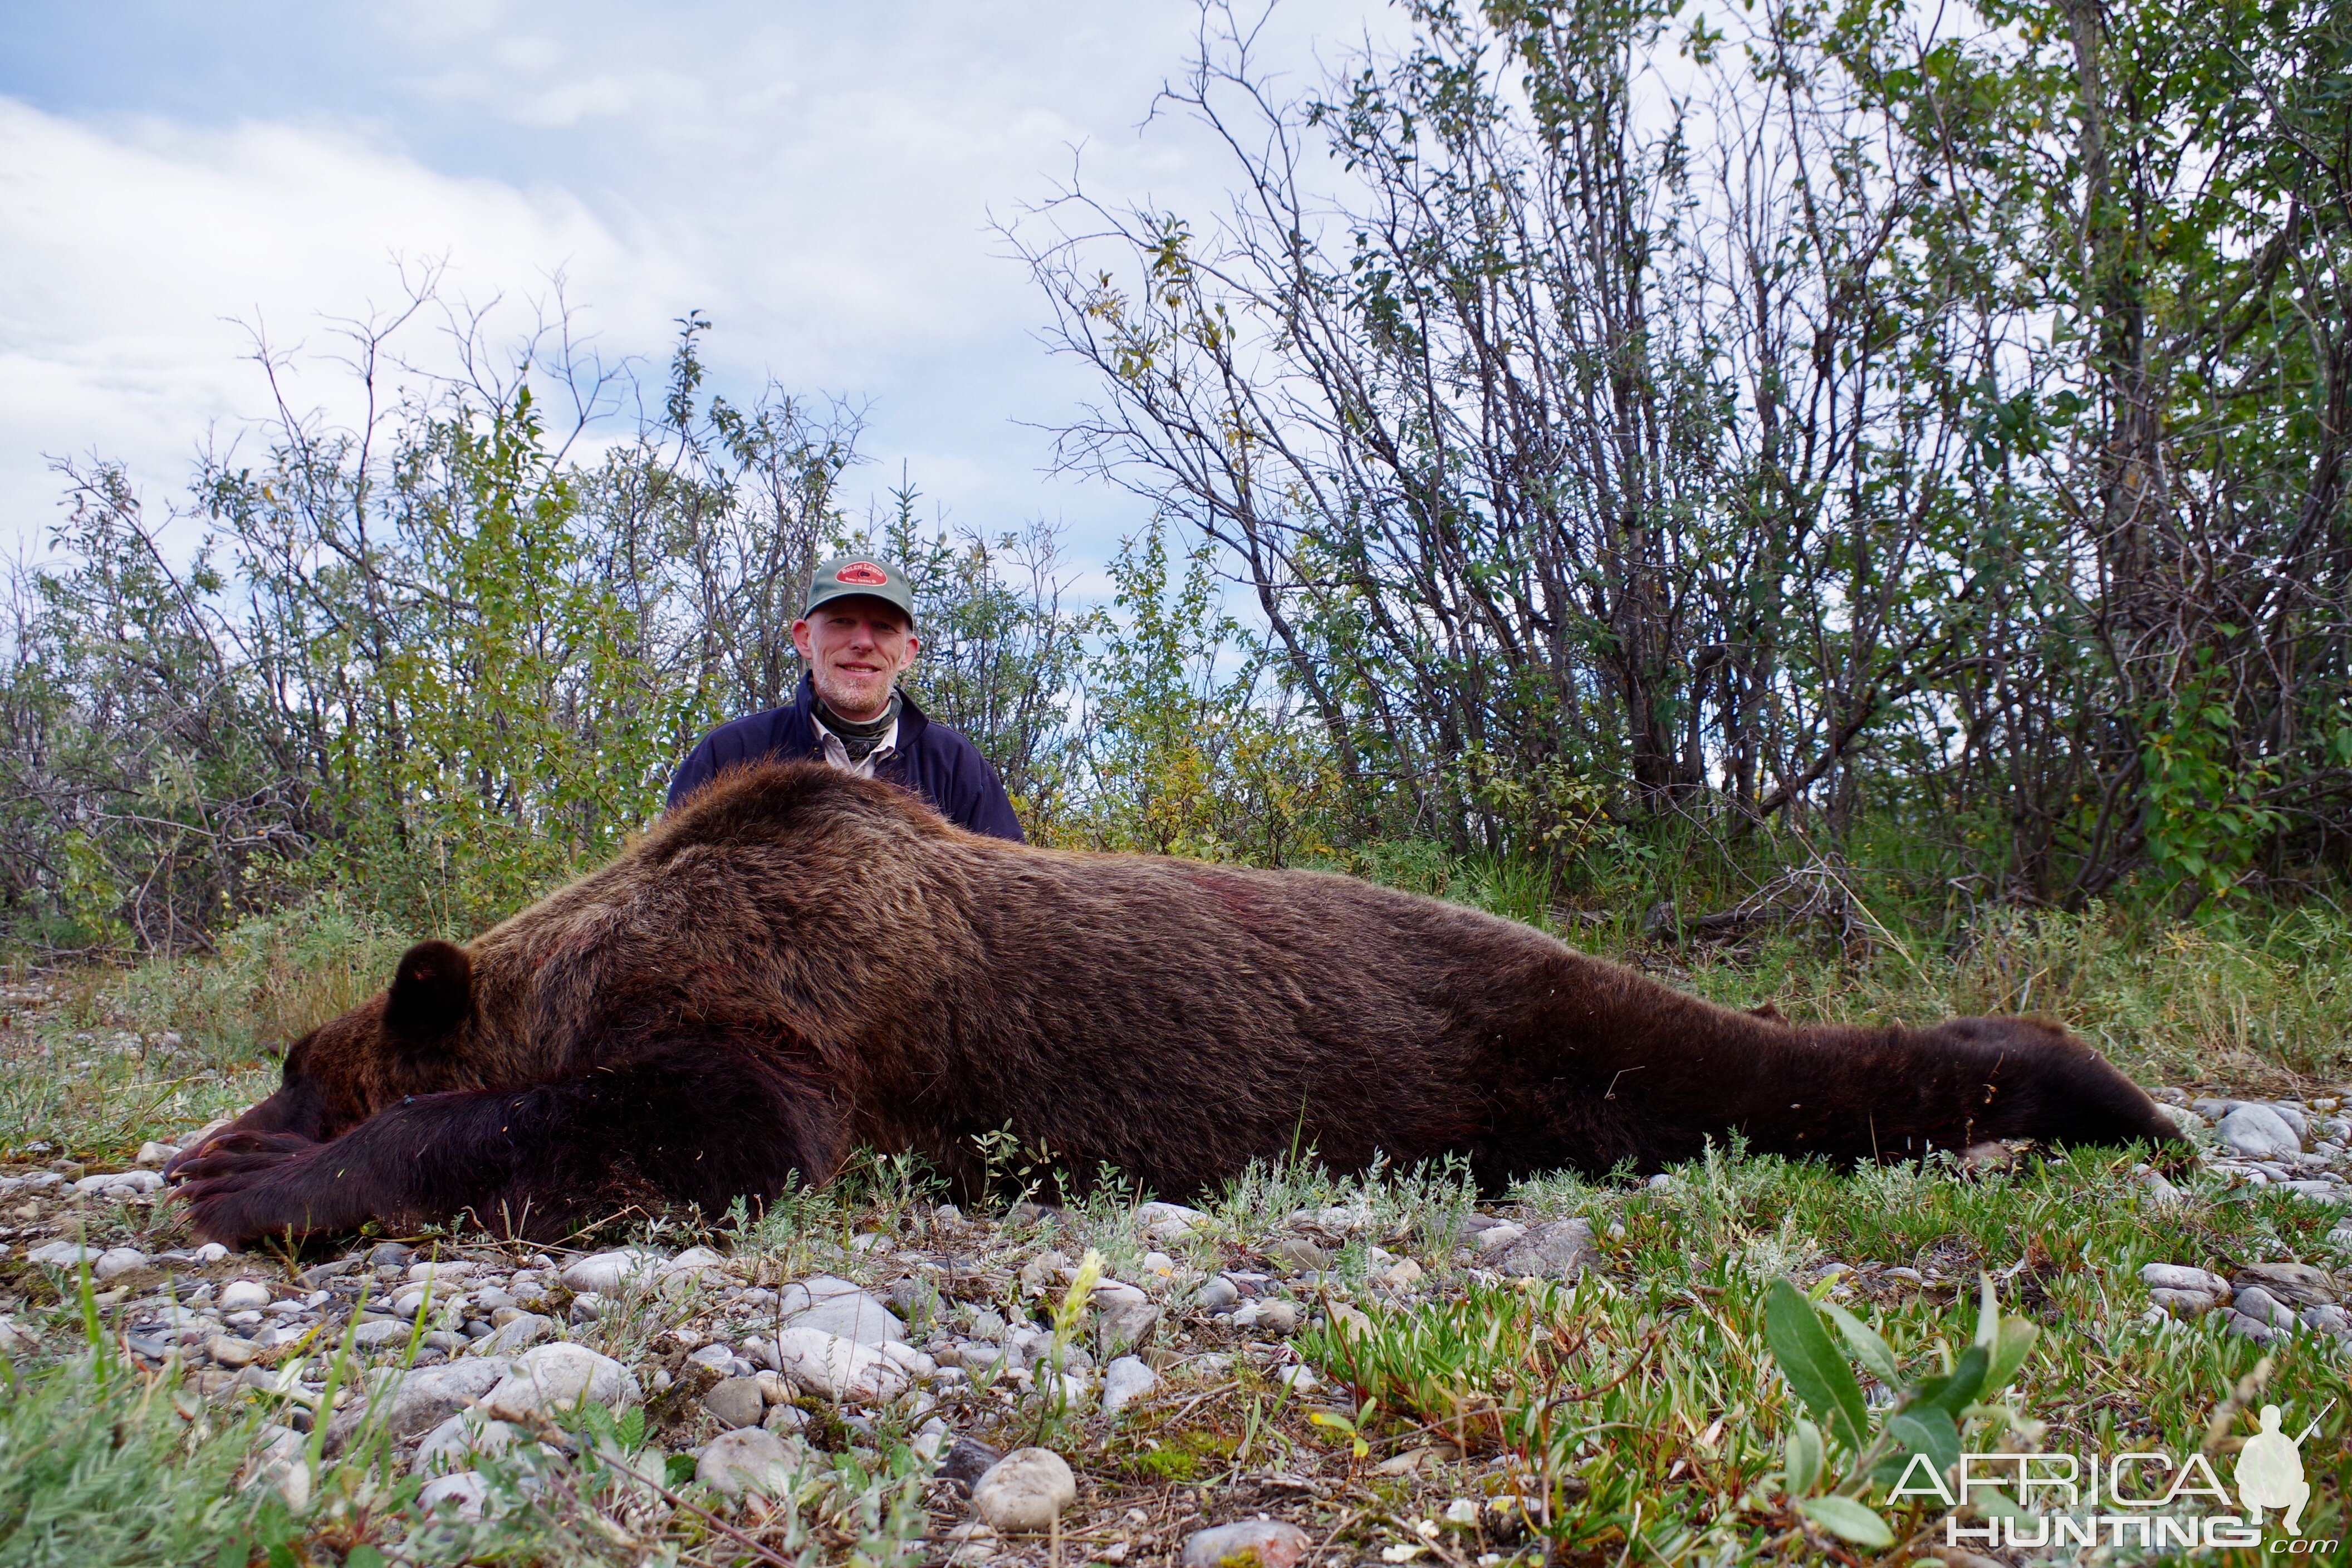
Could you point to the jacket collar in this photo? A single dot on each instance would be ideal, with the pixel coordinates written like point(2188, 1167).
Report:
point(911, 720)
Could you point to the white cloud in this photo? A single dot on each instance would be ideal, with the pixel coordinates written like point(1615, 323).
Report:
point(131, 255)
point(820, 179)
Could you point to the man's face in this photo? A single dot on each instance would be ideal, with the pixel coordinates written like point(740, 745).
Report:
point(856, 648)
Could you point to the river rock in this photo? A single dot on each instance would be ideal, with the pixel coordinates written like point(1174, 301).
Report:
point(1124, 1318)
point(1168, 1222)
point(120, 1183)
point(606, 1273)
point(833, 1367)
point(838, 1306)
point(736, 1402)
point(2179, 1276)
point(1496, 1236)
point(280, 1460)
point(748, 1458)
point(1126, 1380)
point(553, 1376)
point(2253, 1329)
point(1025, 1490)
point(695, 1266)
point(2259, 1132)
point(518, 1334)
point(441, 1273)
point(2260, 1305)
point(1557, 1249)
point(244, 1296)
point(966, 1462)
point(2328, 1319)
point(1270, 1317)
point(62, 1255)
point(2319, 1192)
point(429, 1395)
point(1298, 1253)
point(2159, 1191)
point(2297, 1284)
point(1252, 1543)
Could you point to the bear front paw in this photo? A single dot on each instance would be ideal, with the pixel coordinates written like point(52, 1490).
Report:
point(243, 1186)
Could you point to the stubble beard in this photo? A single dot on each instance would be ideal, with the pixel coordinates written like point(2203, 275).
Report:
point(856, 702)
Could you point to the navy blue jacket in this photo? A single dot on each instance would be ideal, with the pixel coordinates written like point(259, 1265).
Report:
point(932, 761)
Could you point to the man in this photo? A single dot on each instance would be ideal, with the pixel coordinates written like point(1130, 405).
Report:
point(857, 636)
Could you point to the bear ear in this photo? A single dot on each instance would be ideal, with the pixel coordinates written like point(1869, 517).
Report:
point(432, 993)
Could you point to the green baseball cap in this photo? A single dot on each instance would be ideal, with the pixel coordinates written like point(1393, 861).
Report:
point(864, 576)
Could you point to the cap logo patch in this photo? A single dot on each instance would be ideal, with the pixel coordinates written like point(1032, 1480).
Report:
point(864, 574)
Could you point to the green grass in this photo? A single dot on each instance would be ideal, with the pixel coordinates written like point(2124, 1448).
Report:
point(1638, 1415)
point(102, 1465)
point(2252, 997)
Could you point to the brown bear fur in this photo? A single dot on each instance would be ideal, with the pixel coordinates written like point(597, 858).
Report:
point(797, 963)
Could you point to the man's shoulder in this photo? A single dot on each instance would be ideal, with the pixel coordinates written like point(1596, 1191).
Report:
point(944, 741)
point(753, 734)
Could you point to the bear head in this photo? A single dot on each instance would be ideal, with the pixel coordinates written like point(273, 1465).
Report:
point(410, 1040)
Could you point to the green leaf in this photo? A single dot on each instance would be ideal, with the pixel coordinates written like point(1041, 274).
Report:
point(1988, 1312)
point(1812, 1365)
point(596, 1423)
point(1845, 1518)
point(1954, 1393)
point(1868, 1349)
point(678, 1469)
point(1927, 1429)
point(364, 1557)
point(2010, 1346)
point(1804, 1458)
point(1994, 1503)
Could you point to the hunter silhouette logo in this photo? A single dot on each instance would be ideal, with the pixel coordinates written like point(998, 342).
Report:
point(864, 574)
point(2270, 1472)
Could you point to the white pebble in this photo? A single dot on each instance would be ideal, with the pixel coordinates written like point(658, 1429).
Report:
point(748, 1458)
point(1025, 1490)
point(2259, 1132)
point(607, 1272)
point(2177, 1277)
point(117, 1260)
point(1126, 1380)
point(243, 1295)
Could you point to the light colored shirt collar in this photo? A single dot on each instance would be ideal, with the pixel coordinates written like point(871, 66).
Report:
point(838, 755)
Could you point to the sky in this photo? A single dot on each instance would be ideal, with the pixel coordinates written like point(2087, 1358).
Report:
point(819, 179)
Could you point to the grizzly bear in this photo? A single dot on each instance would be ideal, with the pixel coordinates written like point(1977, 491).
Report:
point(797, 963)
